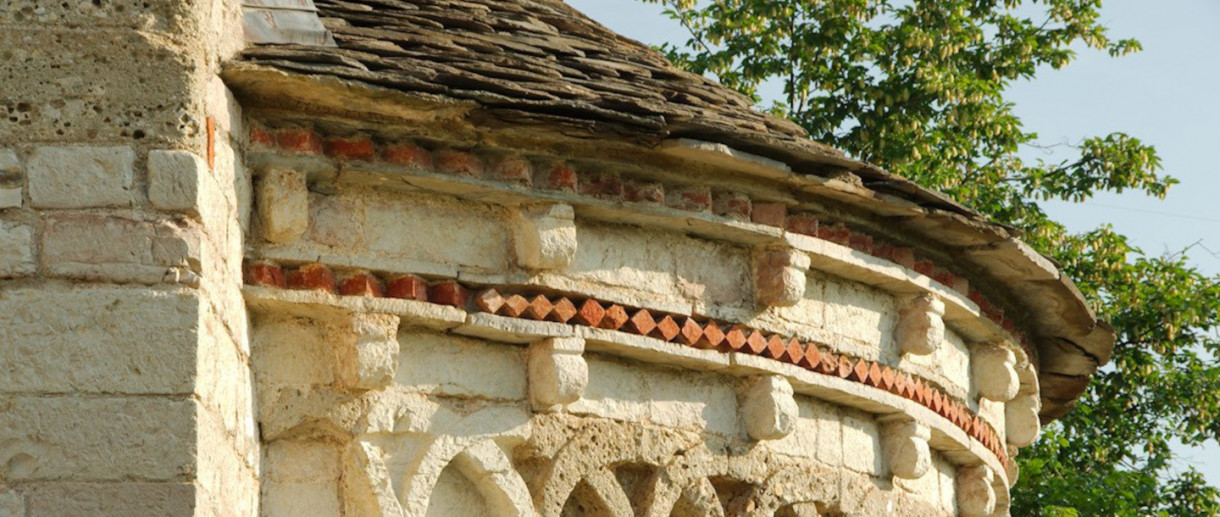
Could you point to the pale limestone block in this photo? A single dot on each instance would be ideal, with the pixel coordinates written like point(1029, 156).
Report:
point(336, 220)
point(802, 510)
point(176, 180)
point(81, 177)
point(12, 503)
point(558, 373)
point(906, 448)
point(10, 180)
point(768, 407)
point(830, 436)
point(123, 499)
point(545, 236)
point(1021, 419)
point(455, 494)
point(487, 466)
point(16, 250)
point(452, 365)
point(290, 351)
point(97, 247)
point(1013, 468)
point(975, 495)
point(779, 276)
point(297, 499)
point(921, 326)
point(862, 445)
point(803, 441)
point(10, 197)
point(283, 205)
point(474, 234)
point(367, 488)
point(634, 392)
point(96, 340)
point(100, 439)
point(860, 316)
point(993, 368)
point(368, 351)
point(946, 480)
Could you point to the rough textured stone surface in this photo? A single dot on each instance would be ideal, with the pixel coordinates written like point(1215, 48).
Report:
point(557, 372)
point(779, 276)
point(545, 236)
point(993, 368)
point(920, 325)
point(768, 408)
point(81, 177)
point(112, 499)
point(16, 249)
point(906, 448)
point(176, 180)
point(283, 205)
point(975, 495)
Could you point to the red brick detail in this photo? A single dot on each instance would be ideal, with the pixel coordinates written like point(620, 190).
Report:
point(768, 213)
point(448, 292)
point(925, 267)
point(775, 347)
point(514, 306)
point(859, 371)
point(874, 375)
point(887, 379)
point(795, 353)
point(489, 301)
point(616, 317)
point(829, 364)
point(539, 308)
point(350, 148)
point(513, 168)
point(810, 357)
point(713, 336)
point(263, 273)
point(262, 137)
point(900, 384)
point(315, 277)
point(640, 323)
point(564, 311)
point(559, 176)
point(605, 185)
point(802, 223)
point(734, 339)
point(695, 198)
point(409, 155)
point(861, 242)
point(733, 205)
point(303, 141)
point(590, 313)
point(959, 284)
point(667, 329)
point(644, 192)
point(361, 283)
point(836, 233)
point(458, 163)
point(845, 367)
point(900, 255)
point(211, 126)
point(691, 332)
point(409, 287)
point(756, 343)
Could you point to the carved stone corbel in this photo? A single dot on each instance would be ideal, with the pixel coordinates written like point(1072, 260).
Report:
point(768, 407)
point(779, 276)
point(905, 443)
point(368, 351)
point(993, 368)
point(921, 325)
point(545, 236)
point(975, 494)
point(558, 373)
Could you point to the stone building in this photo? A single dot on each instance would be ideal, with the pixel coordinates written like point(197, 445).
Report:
point(480, 257)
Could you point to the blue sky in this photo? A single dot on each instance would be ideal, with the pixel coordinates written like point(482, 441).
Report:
point(1166, 96)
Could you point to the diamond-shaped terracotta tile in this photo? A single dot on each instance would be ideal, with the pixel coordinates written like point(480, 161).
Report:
point(829, 363)
point(616, 317)
point(539, 308)
point(640, 323)
point(666, 329)
point(489, 301)
point(874, 375)
point(922, 395)
point(887, 379)
point(845, 367)
point(810, 357)
point(756, 343)
point(859, 371)
point(734, 339)
point(713, 336)
point(590, 313)
point(775, 347)
point(900, 384)
point(564, 311)
point(514, 306)
point(691, 332)
point(937, 401)
point(794, 353)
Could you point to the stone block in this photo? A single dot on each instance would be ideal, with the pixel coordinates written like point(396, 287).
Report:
point(117, 249)
point(768, 407)
point(450, 365)
point(12, 503)
point(558, 374)
point(975, 494)
point(993, 369)
point(862, 445)
point(368, 350)
point(545, 236)
point(16, 250)
point(97, 439)
point(97, 340)
point(300, 461)
point(81, 177)
point(176, 180)
point(779, 276)
point(1021, 422)
point(283, 205)
point(11, 180)
point(112, 499)
point(921, 327)
point(906, 448)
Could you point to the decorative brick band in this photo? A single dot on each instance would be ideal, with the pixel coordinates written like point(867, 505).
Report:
point(548, 174)
point(701, 333)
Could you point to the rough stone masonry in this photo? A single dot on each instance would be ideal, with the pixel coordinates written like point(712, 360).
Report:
point(481, 257)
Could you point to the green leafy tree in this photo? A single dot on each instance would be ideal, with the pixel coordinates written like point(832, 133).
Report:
point(918, 86)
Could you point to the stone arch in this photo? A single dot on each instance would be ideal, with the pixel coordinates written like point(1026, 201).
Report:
point(482, 462)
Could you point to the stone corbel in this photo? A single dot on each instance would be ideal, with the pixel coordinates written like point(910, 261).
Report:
point(283, 205)
point(779, 276)
point(368, 351)
point(905, 443)
point(768, 407)
point(1021, 420)
point(545, 236)
point(921, 325)
point(558, 373)
point(993, 368)
point(975, 493)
